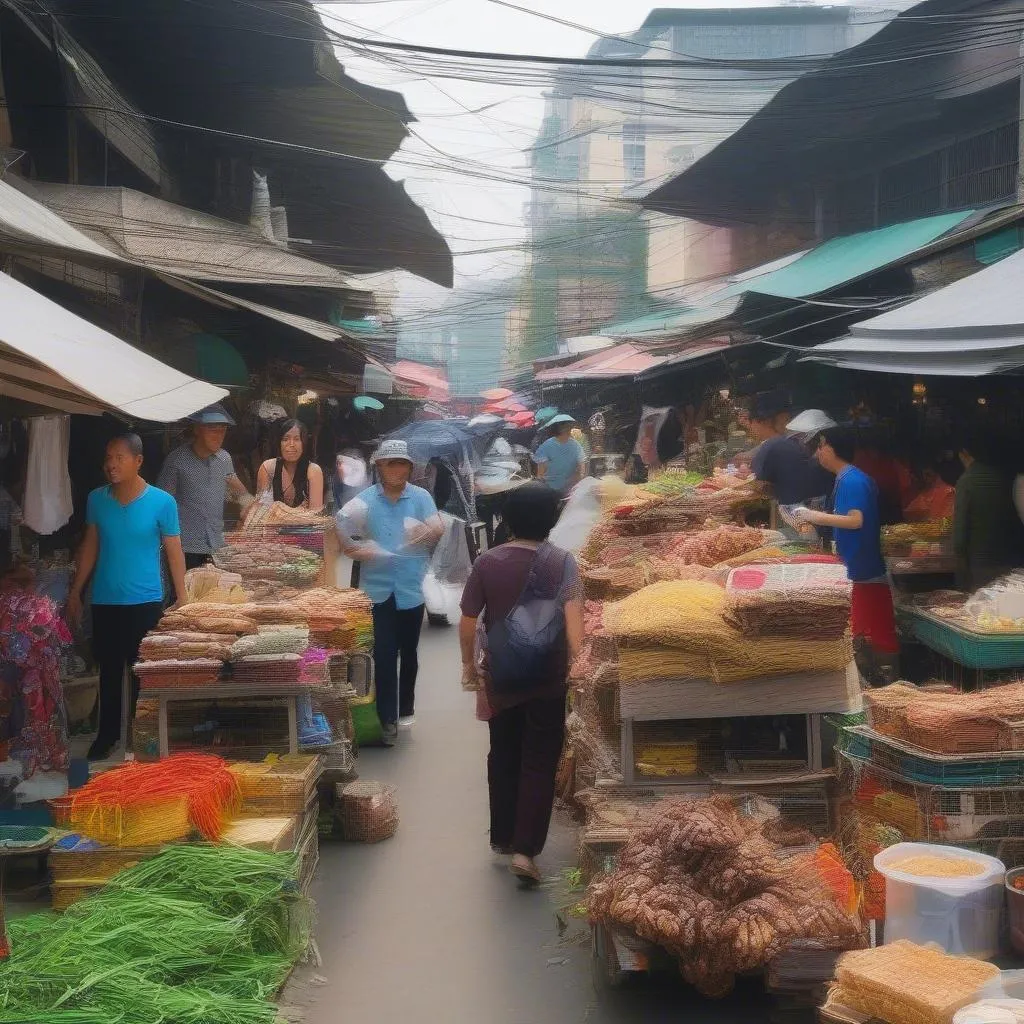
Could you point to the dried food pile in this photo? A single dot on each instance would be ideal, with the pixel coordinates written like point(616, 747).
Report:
point(707, 884)
point(907, 984)
point(949, 722)
point(688, 629)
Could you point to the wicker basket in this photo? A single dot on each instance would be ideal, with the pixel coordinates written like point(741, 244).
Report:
point(368, 811)
point(74, 858)
point(163, 821)
point(282, 787)
point(66, 894)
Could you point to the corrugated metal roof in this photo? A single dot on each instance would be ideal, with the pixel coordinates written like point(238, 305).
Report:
point(161, 236)
point(990, 300)
point(22, 219)
point(314, 328)
point(719, 298)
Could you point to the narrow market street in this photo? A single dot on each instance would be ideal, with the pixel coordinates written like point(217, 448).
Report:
point(428, 926)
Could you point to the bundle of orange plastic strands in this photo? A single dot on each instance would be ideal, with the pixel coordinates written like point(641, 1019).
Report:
point(160, 802)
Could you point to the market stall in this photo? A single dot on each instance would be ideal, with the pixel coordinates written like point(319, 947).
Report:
point(53, 364)
point(713, 650)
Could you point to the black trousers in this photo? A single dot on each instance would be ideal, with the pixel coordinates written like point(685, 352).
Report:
point(396, 635)
point(117, 632)
point(526, 744)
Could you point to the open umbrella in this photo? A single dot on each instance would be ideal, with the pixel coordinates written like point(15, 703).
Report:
point(496, 394)
point(364, 402)
point(512, 405)
point(543, 415)
point(522, 419)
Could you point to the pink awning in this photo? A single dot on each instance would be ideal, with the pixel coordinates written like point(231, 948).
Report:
point(415, 380)
point(624, 360)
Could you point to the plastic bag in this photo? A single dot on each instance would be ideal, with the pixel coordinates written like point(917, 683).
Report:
point(451, 562)
point(442, 599)
point(579, 517)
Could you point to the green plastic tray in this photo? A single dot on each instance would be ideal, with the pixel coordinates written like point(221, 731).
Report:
point(967, 648)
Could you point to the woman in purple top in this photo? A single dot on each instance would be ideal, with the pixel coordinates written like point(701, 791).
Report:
point(527, 726)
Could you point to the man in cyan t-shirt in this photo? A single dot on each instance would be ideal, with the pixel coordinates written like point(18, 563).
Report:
point(858, 541)
point(128, 524)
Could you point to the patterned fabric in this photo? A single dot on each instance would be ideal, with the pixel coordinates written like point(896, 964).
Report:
point(200, 486)
point(32, 638)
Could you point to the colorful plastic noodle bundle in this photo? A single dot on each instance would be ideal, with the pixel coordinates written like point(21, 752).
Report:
point(197, 935)
point(147, 804)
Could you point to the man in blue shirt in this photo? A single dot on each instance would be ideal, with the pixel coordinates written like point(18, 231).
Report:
point(389, 529)
point(127, 525)
point(560, 459)
point(858, 540)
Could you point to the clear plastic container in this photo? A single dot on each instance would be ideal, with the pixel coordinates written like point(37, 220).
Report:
point(962, 914)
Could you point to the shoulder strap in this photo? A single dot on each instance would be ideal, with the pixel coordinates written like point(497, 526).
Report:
point(545, 555)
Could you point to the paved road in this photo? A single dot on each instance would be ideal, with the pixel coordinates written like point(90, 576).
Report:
point(428, 929)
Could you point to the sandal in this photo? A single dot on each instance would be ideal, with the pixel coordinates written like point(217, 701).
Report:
point(525, 870)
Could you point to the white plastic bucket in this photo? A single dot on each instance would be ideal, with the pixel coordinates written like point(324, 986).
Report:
point(962, 914)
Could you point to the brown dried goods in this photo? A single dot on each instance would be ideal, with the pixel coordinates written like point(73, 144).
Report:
point(704, 882)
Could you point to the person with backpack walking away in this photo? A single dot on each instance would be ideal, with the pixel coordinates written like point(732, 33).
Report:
point(531, 598)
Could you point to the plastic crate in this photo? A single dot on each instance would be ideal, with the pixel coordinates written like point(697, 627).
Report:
point(966, 647)
point(963, 771)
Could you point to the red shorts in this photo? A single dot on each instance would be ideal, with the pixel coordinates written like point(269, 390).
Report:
point(871, 616)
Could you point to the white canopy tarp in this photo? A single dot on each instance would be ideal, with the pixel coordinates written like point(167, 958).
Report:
point(51, 357)
point(971, 328)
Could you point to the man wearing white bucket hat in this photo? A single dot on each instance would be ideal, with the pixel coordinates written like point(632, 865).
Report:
point(389, 529)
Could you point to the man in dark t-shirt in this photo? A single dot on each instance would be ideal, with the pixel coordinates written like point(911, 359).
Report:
point(782, 462)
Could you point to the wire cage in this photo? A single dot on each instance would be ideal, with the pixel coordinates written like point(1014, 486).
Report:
point(308, 537)
point(245, 729)
point(287, 785)
point(924, 664)
point(885, 808)
point(745, 747)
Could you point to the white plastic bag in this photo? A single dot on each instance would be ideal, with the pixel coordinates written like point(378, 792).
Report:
point(580, 515)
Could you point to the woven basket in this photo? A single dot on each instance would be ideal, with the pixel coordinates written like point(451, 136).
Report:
point(368, 811)
point(66, 894)
point(283, 787)
point(161, 822)
point(95, 865)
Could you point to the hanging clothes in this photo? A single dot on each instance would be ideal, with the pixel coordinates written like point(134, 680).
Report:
point(48, 502)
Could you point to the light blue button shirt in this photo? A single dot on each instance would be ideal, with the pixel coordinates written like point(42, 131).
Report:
point(372, 516)
point(563, 459)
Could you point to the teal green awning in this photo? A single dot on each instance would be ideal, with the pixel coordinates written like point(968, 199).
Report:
point(210, 358)
point(367, 327)
point(1000, 244)
point(853, 256)
point(720, 304)
point(833, 263)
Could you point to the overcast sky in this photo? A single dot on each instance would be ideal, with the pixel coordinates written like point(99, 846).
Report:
point(482, 219)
